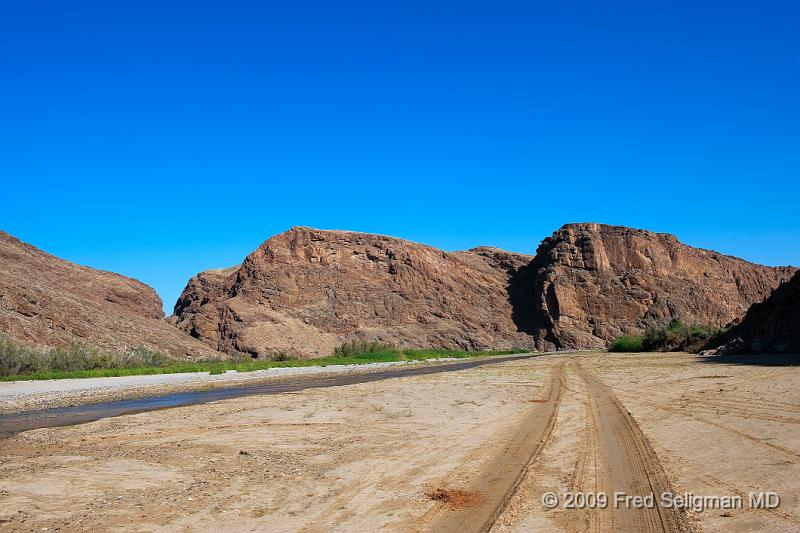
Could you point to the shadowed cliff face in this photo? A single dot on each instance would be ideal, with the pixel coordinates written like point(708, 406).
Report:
point(47, 301)
point(594, 282)
point(306, 291)
point(772, 326)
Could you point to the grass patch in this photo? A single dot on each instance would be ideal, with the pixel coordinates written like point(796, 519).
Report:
point(19, 362)
point(675, 337)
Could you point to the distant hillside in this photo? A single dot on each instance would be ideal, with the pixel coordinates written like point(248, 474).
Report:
point(307, 291)
point(47, 301)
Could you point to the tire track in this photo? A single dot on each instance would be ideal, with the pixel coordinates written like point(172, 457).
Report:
point(691, 414)
point(499, 479)
point(627, 464)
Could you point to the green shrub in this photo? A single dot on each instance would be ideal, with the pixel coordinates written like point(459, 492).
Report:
point(281, 357)
point(76, 356)
point(675, 337)
point(353, 348)
point(19, 359)
point(16, 358)
point(140, 357)
point(627, 343)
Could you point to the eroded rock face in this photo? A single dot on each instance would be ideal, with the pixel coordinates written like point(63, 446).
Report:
point(306, 291)
point(772, 326)
point(595, 282)
point(46, 301)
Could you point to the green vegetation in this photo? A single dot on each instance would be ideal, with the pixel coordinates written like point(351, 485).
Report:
point(627, 343)
point(20, 362)
point(676, 337)
point(348, 349)
point(17, 359)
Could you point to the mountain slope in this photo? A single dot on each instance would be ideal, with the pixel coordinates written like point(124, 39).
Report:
point(772, 326)
point(47, 301)
point(594, 282)
point(306, 291)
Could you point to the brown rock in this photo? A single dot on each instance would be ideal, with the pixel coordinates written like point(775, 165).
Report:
point(594, 282)
point(772, 326)
point(47, 301)
point(306, 291)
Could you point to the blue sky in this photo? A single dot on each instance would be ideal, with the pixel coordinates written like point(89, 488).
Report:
point(158, 139)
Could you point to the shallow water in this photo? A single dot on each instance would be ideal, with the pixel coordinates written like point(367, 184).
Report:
point(80, 414)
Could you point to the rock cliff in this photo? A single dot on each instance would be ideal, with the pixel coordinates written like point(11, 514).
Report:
point(594, 282)
point(306, 291)
point(46, 301)
point(772, 326)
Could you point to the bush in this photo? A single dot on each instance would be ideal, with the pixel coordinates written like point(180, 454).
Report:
point(140, 357)
point(282, 356)
point(76, 356)
point(352, 348)
point(16, 358)
point(675, 337)
point(627, 343)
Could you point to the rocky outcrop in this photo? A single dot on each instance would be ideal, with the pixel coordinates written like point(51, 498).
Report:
point(306, 291)
point(595, 282)
point(46, 301)
point(772, 326)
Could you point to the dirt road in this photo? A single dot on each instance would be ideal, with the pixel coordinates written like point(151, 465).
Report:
point(623, 462)
point(474, 449)
point(500, 476)
point(617, 459)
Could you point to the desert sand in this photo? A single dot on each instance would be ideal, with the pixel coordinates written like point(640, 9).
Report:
point(468, 449)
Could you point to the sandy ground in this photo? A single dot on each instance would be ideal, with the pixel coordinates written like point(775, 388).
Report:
point(403, 454)
point(716, 429)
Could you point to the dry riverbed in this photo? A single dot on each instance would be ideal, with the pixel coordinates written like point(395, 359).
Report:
point(414, 453)
point(18, 396)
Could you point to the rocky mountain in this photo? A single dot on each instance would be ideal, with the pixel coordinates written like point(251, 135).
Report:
point(47, 301)
point(594, 282)
point(772, 326)
point(306, 291)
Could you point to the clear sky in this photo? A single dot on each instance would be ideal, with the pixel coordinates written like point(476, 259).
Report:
point(158, 139)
